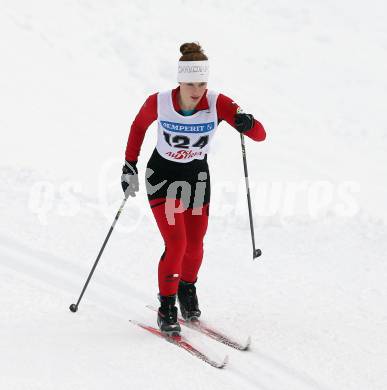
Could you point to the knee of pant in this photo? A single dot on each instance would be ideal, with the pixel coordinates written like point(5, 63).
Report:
point(196, 247)
point(177, 244)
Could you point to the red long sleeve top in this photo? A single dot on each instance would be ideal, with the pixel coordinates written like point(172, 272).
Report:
point(226, 109)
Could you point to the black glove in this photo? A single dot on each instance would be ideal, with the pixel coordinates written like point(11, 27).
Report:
point(243, 122)
point(129, 178)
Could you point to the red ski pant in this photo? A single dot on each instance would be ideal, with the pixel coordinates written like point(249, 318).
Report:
point(183, 230)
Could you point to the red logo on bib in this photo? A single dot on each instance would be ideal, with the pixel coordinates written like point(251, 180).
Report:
point(183, 154)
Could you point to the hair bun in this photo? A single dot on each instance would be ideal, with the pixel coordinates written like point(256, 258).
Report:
point(189, 48)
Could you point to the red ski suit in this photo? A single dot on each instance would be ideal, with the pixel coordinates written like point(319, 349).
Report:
point(183, 240)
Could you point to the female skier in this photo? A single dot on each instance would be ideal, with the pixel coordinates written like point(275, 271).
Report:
point(177, 176)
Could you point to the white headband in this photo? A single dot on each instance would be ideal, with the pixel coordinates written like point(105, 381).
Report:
point(193, 71)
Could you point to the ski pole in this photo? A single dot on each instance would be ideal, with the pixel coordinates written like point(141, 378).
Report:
point(74, 307)
point(256, 252)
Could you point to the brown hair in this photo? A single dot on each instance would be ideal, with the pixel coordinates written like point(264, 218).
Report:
point(192, 51)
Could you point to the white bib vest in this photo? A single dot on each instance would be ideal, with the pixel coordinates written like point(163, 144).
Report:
point(184, 138)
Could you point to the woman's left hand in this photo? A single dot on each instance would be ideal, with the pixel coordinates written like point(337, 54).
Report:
point(243, 122)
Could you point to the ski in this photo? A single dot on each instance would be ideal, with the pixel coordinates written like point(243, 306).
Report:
point(212, 333)
point(183, 343)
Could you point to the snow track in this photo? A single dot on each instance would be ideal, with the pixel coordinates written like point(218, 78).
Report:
point(38, 287)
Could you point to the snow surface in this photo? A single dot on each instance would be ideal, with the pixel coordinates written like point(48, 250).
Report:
point(74, 74)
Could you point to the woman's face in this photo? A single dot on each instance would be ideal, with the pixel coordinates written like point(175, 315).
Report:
point(191, 93)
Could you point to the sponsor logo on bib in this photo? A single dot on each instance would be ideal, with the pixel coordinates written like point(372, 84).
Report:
point(190, 128)
point(181, 154)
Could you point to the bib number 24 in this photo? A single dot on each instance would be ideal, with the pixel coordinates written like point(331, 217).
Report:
point(182, 141)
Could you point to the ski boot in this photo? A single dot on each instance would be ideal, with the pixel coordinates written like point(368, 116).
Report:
point(167, 315)
point(188, 301)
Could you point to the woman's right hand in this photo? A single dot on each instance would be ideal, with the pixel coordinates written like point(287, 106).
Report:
point(129, 178)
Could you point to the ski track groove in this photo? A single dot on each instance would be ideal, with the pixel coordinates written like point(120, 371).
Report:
point(64, 275)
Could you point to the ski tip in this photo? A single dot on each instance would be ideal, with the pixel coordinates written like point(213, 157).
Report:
point(224, 363)
point(247, 344)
